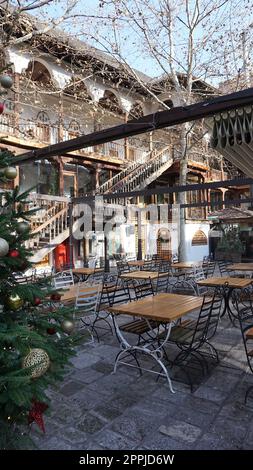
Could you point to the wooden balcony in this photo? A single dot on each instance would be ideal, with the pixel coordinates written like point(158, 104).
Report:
point(26, 134)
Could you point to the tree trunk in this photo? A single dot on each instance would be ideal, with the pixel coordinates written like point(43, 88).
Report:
point(182, 249)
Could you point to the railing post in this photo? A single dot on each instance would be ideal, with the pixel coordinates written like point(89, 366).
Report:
point(70, 214)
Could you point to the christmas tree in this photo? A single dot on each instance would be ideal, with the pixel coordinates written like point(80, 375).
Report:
point(36, 337)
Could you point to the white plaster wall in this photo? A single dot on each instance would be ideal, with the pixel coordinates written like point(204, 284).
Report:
point(196, 253)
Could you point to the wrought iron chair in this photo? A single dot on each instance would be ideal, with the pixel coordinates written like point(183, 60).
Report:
point(63, 279)
point(85, 308)
point(192, 337)
point(245, 316)
point(109, 283)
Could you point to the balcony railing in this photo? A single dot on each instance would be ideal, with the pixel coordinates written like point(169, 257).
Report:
point(28, 129)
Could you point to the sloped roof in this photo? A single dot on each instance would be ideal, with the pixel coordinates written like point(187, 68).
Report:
point(26, 23)
point(231, 213)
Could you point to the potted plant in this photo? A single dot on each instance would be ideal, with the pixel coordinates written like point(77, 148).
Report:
point(230, 247)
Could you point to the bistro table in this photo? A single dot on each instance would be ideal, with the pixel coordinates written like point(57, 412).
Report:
point(242, 267)
point(163, 308)
point(137, 263)
point(69, 294)
point(186, 264)
point(143, 275)
point(84, 273)
point(227, 284)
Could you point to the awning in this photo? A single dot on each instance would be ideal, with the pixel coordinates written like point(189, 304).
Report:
point(232, 136)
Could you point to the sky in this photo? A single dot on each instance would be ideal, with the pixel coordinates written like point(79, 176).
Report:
point(135, 55)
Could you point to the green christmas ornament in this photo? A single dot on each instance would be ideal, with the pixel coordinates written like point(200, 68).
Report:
point(23, 226)
point(14, 302)
point(6, 81)
point(4, 247)
point(10, 172)
point(39, 359)
point(68, 326)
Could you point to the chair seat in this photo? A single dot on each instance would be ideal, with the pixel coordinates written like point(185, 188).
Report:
point(139, 326)
point(249, 333)
point(182, 334)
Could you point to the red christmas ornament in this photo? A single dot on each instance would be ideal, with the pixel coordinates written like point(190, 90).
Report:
point(13, 253)
point(51, 331)
point(56, 297)
point(36, 301)
point(1, 108)
point(35, 414)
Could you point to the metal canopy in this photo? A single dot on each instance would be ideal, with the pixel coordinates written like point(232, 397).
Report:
point(232, 136)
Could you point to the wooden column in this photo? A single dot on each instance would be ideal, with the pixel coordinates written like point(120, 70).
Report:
point(61, 176)
point(97, 173)
point(126, 146)
point(151, 141)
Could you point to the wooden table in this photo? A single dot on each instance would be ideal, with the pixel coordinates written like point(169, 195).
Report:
point(232, 282)
point(161, 308)
point(186, 264)
point(227, 284)
point(136, 263)
point(141, 275)
point(70, 294)
point(241, 267)
point(84, 273)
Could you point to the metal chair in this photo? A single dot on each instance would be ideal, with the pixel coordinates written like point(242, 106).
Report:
point(245, 316)
point(85, 307)
point(63, 279)
point(193, 336)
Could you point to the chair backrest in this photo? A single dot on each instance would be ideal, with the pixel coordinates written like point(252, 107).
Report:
point(182, 286)
point(86, 301)
point(63, 279)
point(246, 325)
point(92, 263)
point(209, 268)
point(223, 268)
point(109, 283)
point(121, 293)
point(208, 320)
point(143, 288)
point(163, 280)
point(122, 267)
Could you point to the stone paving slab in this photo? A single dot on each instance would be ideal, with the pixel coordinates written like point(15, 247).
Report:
point(95, 409)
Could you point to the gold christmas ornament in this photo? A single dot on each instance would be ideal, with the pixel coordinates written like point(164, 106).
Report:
point(68, 326)
point(10, 172)
point(14, 302)
point(39, 359)
point(4, 247)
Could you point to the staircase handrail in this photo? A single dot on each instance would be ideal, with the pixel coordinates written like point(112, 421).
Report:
point(122, 174)
point(156, 157)
point(49, 221)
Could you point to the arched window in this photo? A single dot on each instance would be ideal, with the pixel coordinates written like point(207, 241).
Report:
point(110, 102)
point(43, 127)
point(77, 89)
point(74, 129)
point(199, 238)
point(37, 72)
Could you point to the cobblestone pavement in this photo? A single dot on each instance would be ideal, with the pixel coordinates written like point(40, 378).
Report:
point(95, 409)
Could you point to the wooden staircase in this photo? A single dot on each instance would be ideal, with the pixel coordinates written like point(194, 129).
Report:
point(140, 175)
point(49, 225)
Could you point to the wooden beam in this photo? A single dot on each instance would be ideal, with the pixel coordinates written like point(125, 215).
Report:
point(148, 123)
point(172, 189)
